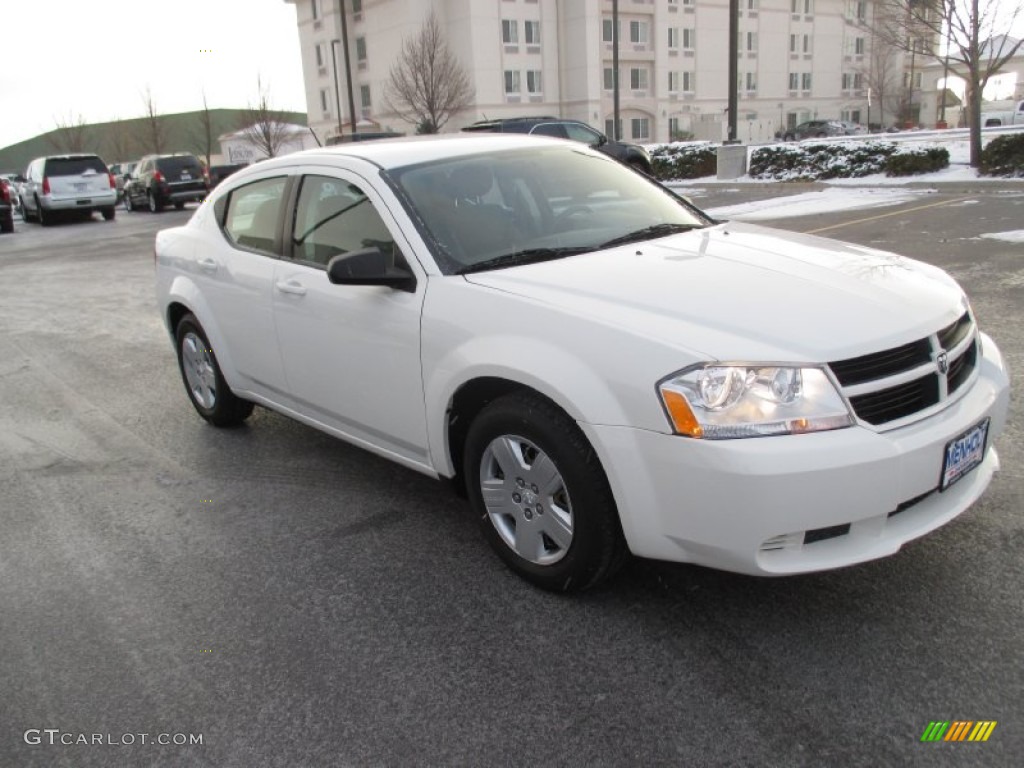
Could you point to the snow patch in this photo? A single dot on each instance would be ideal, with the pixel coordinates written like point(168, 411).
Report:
point(1015, 236)
point(811, 203)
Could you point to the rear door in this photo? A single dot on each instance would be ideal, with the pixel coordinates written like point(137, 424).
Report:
point(77, 177)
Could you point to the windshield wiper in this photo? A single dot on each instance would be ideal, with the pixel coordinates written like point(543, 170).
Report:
point(518, 258)
point(649, 233)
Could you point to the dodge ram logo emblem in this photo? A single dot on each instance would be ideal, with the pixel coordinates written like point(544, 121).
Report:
point(943, 362)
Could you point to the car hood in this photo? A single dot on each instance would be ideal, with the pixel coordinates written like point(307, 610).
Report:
point(745, 292)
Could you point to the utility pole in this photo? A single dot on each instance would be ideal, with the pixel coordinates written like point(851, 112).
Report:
point(348, 65)
point(734, 52)
point(616, 133)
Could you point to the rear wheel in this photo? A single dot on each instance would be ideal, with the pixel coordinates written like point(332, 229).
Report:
point(178, 206)
point(128, 205)
point(108, 213)
point(7, 224)
point(44, 218)
point(155, 206)
point(542, 497)
point(204, 382)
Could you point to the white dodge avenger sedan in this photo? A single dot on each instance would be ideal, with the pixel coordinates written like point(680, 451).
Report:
point(603, 368)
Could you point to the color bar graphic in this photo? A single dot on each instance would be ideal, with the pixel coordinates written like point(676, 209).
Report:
point(958, 730)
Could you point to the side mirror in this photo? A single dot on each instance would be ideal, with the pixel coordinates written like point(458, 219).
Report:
point(601, 141)
point(369, 267)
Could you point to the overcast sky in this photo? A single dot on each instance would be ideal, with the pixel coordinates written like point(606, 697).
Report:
point(94, 58)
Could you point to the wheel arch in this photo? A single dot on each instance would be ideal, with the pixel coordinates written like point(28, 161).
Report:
point(184, 298)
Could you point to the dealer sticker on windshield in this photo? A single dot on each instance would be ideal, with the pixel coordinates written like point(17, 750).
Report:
point(963, 454)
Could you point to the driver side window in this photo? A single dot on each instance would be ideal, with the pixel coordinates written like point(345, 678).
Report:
point(333, 216)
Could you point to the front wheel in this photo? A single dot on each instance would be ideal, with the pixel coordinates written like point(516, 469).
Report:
point(204, 382)
point(128, 204)
point(542, 497)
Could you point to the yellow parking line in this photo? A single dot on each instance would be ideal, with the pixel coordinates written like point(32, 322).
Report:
point(887, 215)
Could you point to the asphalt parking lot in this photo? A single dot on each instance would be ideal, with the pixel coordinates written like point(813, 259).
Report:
point(296, 601)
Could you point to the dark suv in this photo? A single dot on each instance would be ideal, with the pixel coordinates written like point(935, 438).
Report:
point(630, 154)
point(159, 180)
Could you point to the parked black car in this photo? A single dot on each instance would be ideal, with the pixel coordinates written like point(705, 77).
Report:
point(220, 172)
point(632, 155)
point(815, 129)
point(160, 180)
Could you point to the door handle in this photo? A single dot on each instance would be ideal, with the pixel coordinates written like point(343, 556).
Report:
point(293, 287)
point(207, 264)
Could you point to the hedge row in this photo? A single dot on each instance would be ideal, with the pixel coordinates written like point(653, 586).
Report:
point(807, 161)
point(1004, 156)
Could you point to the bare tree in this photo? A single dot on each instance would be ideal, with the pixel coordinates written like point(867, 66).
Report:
point(263, 126)
point(978, 47)
point(153, 125)
point(427, 83)
point(203, 137)
point(119, 143)
point(881, 74)
point(70, 135)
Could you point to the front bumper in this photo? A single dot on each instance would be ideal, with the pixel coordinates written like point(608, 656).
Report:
point(781, 505)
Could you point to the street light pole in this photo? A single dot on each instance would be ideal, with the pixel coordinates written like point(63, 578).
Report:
point(348, 65)
point(337, 90)
point(616, 133)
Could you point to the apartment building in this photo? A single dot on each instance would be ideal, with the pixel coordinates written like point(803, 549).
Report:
point(798, 60)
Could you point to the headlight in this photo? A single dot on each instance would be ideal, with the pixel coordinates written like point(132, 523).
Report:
point(719, 402)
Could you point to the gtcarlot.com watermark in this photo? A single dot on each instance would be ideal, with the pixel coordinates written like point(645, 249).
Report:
point(54, 737)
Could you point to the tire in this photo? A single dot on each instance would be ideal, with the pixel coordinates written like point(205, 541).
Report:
point(108, 213)
point(128, 204)
point(24, 212)
point(155, 206)
point(179, 206)
point(7, 224)
point(549, 513)
point(789, 137)
point(45, 219)
point(204, 383)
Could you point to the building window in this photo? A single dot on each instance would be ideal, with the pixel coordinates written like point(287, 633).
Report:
point(361, 49)
point(609, 78)
point(320, 55)
point(641, 127)
point(689, 39)
point(689, 82)
point(751, 81)
point(606, 30)
point(357, 6)
point(638, 78)
point(609, 129)
point(533, 82)
point(638, 31)
point(673, 37)
point(673, 82)
point(364, 96)
point(805, 81)
point(509, 31)
point(324, 103)
point(806, 7)
point(858, 46)
point(862, 10)
point(532, 30)
point(751, 42)
point(316, 9)
point(673, 128)
point(511, 81)
point(794, 81)
point(751, 5)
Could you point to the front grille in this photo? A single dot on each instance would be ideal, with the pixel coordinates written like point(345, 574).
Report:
point(857, 370)
point(897, 402)
point(823, 534)
point(876, 384)
point(961, 368)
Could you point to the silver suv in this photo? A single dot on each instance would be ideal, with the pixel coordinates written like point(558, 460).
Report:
point(67, 183)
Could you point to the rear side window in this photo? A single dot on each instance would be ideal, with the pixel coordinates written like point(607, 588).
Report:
point(551, 129)
point(173, 166)
point(74, 166)
point(252, 214)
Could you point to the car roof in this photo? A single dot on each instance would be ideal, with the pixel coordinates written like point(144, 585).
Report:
point(408, 150)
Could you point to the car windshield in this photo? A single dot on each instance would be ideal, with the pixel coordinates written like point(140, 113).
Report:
point(502, 209)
